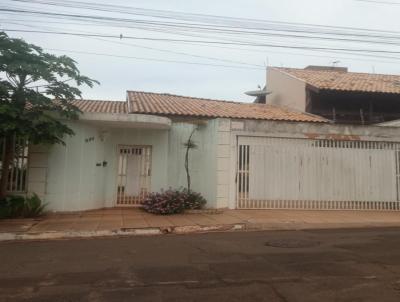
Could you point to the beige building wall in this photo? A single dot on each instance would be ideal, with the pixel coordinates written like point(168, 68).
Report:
point(286, 90)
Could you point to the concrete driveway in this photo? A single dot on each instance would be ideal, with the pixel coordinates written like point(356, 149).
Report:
point(281, 266)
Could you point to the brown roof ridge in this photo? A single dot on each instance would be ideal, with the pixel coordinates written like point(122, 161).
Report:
point(336, 71)
point(97, 100)
point(175, 105)
point(188, 97)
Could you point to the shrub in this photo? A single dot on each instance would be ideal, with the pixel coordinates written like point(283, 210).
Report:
point(193, 200)
point(16, 206)
point(34, 206)
point(165, 203)
point(12, 206)
point(173, 202)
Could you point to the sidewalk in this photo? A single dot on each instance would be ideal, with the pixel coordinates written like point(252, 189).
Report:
point(128, 221)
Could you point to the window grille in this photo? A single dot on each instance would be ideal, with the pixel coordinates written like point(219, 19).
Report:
point(17, 176)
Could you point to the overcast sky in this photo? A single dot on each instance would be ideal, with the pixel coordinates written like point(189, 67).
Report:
point(117, 75)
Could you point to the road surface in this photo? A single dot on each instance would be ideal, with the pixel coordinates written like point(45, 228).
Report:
point(334, 265)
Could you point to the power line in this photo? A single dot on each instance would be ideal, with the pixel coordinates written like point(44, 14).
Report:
point(374, 57)
point(168, 14)
point(152, 59)
point(151, 25)
point(158, 49)
point(208, 42)
point(378, 34)
point(379, 2)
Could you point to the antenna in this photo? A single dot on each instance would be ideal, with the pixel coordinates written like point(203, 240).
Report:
point(334, 63)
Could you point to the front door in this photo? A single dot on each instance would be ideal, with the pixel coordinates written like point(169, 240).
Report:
point(134, 173)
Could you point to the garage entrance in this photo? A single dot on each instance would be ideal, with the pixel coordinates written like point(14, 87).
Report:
point(283, 173)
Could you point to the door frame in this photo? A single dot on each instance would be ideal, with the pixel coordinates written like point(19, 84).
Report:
point(117, 175)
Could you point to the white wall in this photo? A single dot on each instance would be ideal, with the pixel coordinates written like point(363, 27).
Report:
point(285, 90)
point(202, 161)
point(73, 178)
point(72, 175)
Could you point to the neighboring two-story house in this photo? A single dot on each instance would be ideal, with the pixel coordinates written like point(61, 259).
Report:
point(336, 94)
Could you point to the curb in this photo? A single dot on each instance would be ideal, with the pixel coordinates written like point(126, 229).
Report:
point(181, 230)
point(121, 232)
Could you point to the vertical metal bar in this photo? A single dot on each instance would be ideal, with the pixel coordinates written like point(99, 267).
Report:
point(17, 157)
point(23, 165)
point(238, 177)
point(11, 179)
point(239, 205)
point(242, 177)
point(247, 171)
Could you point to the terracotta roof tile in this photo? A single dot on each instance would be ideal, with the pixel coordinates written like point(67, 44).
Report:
point(98, 106)
point(346, 81)
point(174, 105)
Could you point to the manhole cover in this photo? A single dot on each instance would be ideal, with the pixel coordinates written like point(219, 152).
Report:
point(291, 243)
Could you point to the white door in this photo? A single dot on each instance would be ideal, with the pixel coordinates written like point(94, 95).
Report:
point(279, 173)
point(134, 174)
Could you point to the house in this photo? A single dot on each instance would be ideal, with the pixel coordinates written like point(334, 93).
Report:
point(336, 94)
point(249, 156)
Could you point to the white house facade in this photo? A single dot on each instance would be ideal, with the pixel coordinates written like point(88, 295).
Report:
point(249, 156)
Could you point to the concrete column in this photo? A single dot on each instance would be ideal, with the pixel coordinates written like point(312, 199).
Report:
point(223, 162)
point(37, 170)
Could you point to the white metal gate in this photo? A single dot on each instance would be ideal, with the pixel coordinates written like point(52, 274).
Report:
point(134, 174)
point(281, 173)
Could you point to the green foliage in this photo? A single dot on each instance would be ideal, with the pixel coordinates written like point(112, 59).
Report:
point(30, 80)
point(33, 207)
point(16, 206)
point(35, 92)
point(193, 200)
point(12, 206)
point(173, 202)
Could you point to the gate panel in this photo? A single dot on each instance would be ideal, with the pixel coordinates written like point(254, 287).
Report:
point(134, 173)
point(317, 174)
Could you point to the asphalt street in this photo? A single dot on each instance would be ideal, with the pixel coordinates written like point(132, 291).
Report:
point(322, 265)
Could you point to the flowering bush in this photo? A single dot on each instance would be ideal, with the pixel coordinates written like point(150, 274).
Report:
point(164, 203)
point(193, 200)
point(173, 202)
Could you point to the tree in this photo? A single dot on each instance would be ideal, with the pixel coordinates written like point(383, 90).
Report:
point(34, 95)
point(189, 146)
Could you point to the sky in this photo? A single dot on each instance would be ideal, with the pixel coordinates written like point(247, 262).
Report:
point(117, 73)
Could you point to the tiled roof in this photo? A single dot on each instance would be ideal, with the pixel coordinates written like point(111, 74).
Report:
point(346, 81)
point(174, 105)
point(98, 106)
